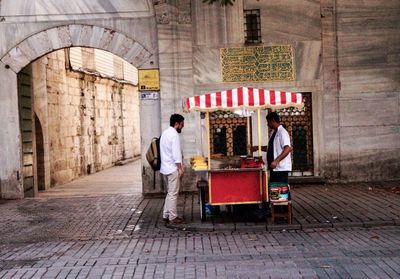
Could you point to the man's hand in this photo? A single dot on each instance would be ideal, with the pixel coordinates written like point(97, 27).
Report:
point(286, 150)
point(274, 164)
point(180, 172)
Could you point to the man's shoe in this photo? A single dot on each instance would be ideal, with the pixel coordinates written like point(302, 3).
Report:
point(177, 221)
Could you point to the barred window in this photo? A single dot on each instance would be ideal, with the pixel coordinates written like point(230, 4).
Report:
point(228, 133)
point(252, 26)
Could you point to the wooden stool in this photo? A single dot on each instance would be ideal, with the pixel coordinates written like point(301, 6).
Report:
point(287, 214)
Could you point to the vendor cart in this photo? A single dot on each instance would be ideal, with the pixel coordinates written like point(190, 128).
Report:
point(246, 182)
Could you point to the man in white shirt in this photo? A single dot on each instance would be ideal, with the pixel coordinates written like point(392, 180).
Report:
point(172, 166)
point(278, 152)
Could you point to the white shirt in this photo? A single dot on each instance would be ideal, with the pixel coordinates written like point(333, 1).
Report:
point(170, 151)
point(280, 141)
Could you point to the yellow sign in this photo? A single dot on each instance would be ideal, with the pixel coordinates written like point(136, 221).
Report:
point(261, 63)
point(149, 80)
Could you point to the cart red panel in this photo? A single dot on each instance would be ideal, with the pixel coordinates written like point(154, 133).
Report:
point(235, 187)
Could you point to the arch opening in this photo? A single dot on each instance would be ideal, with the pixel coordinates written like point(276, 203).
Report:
point(85, 113)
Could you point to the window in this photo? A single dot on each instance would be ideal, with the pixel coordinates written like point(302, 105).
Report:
point(252, 26)
point(229, 133)
point(298, 123)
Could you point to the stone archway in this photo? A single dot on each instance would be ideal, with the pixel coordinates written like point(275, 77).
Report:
point(66, 36)
point(35, 46)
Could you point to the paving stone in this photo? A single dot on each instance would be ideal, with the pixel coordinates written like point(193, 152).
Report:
point(348, 224)
point(377, 223)
point(120, 236)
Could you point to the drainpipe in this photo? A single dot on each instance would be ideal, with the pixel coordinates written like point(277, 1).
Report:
point(338, 87)
point(121, 92)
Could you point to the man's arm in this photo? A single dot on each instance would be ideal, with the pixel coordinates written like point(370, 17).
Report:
point(177, 155)
point(286, 150)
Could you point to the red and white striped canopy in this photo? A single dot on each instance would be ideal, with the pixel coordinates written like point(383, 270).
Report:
point(243, 97)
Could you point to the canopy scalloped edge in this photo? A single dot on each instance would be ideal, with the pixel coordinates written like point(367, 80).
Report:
point(243, 98)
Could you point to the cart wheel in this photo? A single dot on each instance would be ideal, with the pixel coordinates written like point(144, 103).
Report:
point(202, 204)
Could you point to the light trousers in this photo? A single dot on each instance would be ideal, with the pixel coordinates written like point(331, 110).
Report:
point(171, 200)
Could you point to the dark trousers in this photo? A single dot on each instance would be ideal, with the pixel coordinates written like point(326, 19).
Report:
point(279, 176)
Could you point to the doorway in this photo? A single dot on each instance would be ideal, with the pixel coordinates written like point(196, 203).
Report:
point(39, 148)
point(26, 127)
point(298, 122)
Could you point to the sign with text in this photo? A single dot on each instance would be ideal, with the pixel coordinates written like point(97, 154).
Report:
point(261, 63)
point(149, 95)
point(149, 79)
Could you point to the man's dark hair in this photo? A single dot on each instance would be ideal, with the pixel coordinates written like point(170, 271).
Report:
point(175, 118)
point(273, 116)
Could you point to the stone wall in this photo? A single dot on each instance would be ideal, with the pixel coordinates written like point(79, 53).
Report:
point(346, 54)
point(10, 139)
point(89, 123)
point(295, 23)
point(369, 102)
point(28, 32)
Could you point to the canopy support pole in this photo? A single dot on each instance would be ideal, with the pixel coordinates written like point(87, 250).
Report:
point(208, 140)
point(259, 131)
point(201, 136)
point(249, 152)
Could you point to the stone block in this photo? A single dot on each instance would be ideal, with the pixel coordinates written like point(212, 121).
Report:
point(85, 37)
point(364, 138)
point(379, 223)
point(303, 22)
point(369, 80)
point(369, 109)
point(40, 43)
point(106, 39)
point(75, 34)
point(16, 59)
point(133, 52)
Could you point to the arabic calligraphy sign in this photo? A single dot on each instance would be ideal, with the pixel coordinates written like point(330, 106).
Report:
point(261, 63)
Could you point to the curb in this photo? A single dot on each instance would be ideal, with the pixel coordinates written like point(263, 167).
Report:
point(204, 227)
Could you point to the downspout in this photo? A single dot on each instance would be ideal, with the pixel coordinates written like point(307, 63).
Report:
point(338, 86)
point(121, 92)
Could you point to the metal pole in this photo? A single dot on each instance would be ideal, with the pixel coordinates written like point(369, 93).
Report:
point(208, 139)
point(259, 131)
point(209, 156)
point(249, 145)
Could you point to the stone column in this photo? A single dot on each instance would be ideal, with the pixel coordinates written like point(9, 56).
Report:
point(10, 138)
point(174, 27)
point(331, 90)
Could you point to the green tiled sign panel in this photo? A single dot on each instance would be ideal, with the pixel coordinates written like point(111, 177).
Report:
point(263, 63)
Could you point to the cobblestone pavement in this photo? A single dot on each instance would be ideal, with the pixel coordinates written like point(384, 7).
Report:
point(318, 253)
point(113, 235)
point(314, 206)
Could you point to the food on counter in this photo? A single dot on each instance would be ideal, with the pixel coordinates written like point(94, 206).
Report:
point(251, 162)
point(217, 156)
point(198, 162)
point(231, 168)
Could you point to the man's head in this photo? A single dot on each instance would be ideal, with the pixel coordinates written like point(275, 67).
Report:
point(177, 121)
point(273, 120)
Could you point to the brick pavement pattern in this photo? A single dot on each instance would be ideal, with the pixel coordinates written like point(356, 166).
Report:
point(115, 235)
point(314, 206)
point(318, 253)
